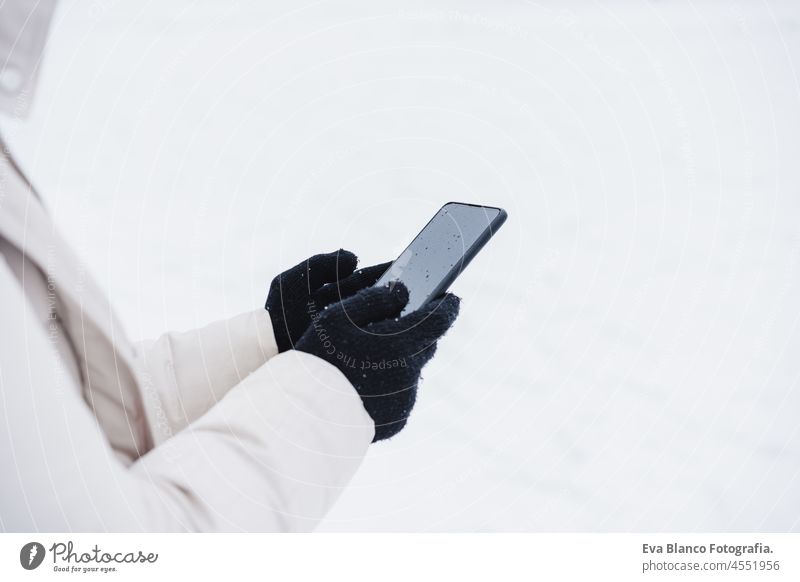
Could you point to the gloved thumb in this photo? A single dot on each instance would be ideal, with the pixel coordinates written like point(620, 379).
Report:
point(369, 306)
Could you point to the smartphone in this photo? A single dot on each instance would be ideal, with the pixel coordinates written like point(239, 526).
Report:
point(442, 249)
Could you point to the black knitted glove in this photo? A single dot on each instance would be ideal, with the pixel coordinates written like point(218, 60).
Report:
point(317, 281)
point(380, 353)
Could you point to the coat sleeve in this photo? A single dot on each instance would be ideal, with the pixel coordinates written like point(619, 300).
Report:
point(272, 455)
point(187, 373)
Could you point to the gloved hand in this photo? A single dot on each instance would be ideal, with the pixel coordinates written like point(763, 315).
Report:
point(311, 286)
point(381, 353)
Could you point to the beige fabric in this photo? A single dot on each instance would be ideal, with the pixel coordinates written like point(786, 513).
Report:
point(204, 430)
point(34, 284)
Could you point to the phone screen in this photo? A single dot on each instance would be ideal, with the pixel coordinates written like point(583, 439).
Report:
point(441, 248)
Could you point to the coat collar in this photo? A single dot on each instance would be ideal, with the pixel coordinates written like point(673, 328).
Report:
point(24, 26)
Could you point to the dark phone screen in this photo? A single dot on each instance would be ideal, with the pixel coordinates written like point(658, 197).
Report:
point(438, 249)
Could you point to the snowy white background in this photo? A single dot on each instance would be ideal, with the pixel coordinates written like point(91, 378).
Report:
point(628, 353)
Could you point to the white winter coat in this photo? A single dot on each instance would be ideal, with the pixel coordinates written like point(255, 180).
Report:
point(205, 430)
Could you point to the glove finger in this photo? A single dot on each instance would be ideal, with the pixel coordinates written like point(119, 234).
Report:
point(368, 306)
point(324, 268)
point(358, 280)
point(431, 321)
point(363, 278)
